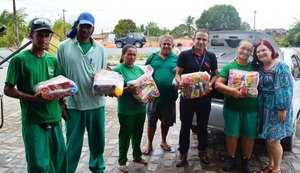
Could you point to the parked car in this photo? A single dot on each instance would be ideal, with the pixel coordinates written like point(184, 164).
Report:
point(224, 44)
point(135, 38)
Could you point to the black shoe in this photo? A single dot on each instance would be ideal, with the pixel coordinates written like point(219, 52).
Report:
point(181, 160)
point(246, 165)
point(229, 164)
point(203, 157)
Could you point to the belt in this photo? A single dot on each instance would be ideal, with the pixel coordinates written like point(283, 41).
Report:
point(48, 126)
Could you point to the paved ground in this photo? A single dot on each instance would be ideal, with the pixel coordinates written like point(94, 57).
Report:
point(12, 158)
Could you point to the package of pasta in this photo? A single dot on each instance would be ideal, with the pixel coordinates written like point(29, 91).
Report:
point(108, 83)
point(56, 88)
point(246, 81)
point(146, 86)
point(196, 84)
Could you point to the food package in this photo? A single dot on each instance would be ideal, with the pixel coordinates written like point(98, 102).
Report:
point(145, 86)
point(56, 88)
point(246, 81)
point(108, 83)
point(196, 84)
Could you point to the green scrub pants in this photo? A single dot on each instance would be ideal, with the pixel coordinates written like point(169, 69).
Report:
point(45, 149)
point(131, 127)
point(93, 121)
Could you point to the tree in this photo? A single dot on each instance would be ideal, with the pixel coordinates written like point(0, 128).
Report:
point(59, 27)
point(123, 27)
point(153, 29)
point(189, 26)
point(7, 39)
point(141, 28)
point(245, 26)
point(178, 31)
point(219, 17)
point(293, 36)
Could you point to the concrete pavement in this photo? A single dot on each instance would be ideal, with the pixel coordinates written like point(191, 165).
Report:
point(12, 156)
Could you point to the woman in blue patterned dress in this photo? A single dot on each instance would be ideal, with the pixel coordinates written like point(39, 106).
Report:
point(275, 102)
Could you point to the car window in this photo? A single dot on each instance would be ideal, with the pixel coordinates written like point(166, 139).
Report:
point(295, 67)
point(130, 35)
point(216, 42)
point(232, 43)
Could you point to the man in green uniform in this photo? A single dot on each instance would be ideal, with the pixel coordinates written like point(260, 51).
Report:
point(41, 119)
point(163, 107)
point(79, 57)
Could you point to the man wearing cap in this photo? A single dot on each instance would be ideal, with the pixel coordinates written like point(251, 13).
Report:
point(41, 119)
point(79, 57)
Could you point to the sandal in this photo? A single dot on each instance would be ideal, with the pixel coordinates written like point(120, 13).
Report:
point(166, 147)
point(265, 169)
point(276, 171)
point(143, 161)
point(147, 151)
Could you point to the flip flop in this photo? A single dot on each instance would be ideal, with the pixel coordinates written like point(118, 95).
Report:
point(166, 147)
point(143, 161)
point(265, 169)
point(147, 152)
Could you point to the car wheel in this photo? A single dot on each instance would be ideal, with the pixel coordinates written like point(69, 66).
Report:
point(138, 44)
point(119, 45)
point(288, 143)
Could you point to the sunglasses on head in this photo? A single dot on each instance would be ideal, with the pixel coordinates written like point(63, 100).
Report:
point(42, 21)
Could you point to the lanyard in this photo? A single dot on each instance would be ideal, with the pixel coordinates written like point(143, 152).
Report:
point(200, 65)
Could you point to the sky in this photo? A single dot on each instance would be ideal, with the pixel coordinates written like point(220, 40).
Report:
point(166, 13)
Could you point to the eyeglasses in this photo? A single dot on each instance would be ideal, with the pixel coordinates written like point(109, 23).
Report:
point(40, 21)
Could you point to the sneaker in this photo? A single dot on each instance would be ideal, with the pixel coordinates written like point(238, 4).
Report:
point(229, 164)
point(246, 166)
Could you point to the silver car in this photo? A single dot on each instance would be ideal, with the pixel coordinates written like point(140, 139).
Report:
point(224, 44)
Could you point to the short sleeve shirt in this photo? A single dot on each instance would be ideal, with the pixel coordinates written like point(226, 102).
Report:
point(26, 70)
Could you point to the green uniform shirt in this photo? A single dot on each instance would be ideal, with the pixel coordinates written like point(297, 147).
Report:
point(26, 70)
point(127, 104)
point(81, 67)
point(164, 73)
point(242, 104)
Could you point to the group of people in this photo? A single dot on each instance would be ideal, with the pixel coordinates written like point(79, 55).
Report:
point(79, 57)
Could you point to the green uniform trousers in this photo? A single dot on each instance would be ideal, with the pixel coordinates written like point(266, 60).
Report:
point(93, 121)
point(45, 149)
point(131, 127)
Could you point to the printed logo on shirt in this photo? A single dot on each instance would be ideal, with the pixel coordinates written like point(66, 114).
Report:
point(51, 71)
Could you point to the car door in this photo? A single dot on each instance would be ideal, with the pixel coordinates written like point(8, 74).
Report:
point(130, 38)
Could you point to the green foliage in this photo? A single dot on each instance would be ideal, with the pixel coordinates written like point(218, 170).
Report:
point(153, 29)
point(219, 17)
point(58, 28)
point(189, 26)
point(178, 31)
point(245, 26)
point(141, 28)
point(293, 37)
point(7, 38)
point(123, 27)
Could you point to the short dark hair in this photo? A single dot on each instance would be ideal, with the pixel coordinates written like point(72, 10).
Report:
point(179, 44)
point(201, 30)
point(125, 49)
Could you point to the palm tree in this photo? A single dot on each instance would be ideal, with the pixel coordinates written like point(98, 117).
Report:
point(189, 26)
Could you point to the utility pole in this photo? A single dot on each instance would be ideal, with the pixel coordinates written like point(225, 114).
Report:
point(64, 20)
point(16, 24)
point(254, 20)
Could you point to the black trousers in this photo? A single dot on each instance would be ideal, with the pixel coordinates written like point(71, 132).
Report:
point(188, 107)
